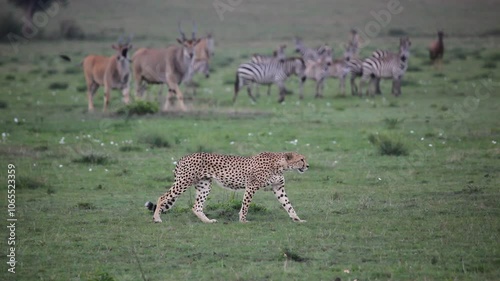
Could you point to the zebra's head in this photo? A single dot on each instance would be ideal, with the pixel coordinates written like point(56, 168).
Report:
point(404, 48)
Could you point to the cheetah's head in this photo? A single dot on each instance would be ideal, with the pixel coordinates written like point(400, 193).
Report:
point(295, 161)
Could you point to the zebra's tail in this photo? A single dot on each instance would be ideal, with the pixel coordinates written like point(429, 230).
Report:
point(150, 206)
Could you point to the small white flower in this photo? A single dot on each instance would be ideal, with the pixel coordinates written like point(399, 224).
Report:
point(347, 271)
point(102, 144)
point(307, 144)
point(61, 141)
point(443, 142)
point(175, 162)
point(494, 142)
point(34, 164)
point(440, 134)
point(15, 120)
point(328, 104)
point(334, 142)
point(60, 166)
point(270, 133)
point(422, 138)
point(250, 134)
point(77, 137)
point(90, 169)
point(231, 143)
point(111, 142)
point(412, 132)
point(379, 179)
point(430, 144)
point(106, 170)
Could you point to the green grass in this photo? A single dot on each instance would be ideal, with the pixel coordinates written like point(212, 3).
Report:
point(430, 213)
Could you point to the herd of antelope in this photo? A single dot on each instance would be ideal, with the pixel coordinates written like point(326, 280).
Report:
point(176, 64)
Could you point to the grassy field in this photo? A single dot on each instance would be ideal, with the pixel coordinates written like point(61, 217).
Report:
point(398, 188)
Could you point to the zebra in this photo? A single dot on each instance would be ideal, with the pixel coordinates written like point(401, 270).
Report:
point(381, 54)
point(391, 66)
point(355, 66)
point(278, 54)
point(268, 73)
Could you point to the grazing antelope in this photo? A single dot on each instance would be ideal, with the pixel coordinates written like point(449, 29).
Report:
point(278, 54)
point(111, 72)
point(391, 66)
point(317, 67)
point(436, 50)
point(339, 69)
point(311, 53)
point(267, 73)
point(172, 66)
point(353, 44)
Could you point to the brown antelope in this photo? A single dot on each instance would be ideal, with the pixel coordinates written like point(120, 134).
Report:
point(436, 50)
point(111, 72)
point(203, 51)
point(317, 70)
point(172, 66)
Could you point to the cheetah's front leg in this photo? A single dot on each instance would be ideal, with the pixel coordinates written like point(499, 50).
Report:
point(202, 191)
point(279, 192)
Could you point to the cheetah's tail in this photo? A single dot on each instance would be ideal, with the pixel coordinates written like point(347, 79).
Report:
point(150, 206)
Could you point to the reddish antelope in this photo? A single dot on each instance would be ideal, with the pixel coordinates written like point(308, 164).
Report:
point(317, 70)
point(172, 66)
point(203, 51)
point(436, 50)
point(111, 72)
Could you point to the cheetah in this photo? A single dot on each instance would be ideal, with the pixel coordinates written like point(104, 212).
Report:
point(233, 172)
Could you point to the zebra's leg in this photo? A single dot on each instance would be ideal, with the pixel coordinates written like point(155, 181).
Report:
point(249, 90)
point(396, 86)
point(281, 87)
point(354, 87)
point(377, 86)
point(257, 90)
point(342, 84)
point(318, 87)
point(301, 88)
point(202, 191)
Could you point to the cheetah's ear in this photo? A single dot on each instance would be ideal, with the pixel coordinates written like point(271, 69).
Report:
point(288, 156)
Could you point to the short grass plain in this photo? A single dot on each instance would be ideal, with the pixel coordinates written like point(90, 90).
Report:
point(431, 213)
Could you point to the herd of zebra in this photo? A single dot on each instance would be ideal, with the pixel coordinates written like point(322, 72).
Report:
point(178, 63)
point(318, 64)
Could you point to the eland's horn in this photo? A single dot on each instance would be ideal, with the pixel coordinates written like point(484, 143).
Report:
point(194, 30)
point(129, 39)
point(180, 30)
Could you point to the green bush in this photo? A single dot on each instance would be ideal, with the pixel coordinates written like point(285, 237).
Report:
point(93, 158)
point(58, 86)
point(139, 108)
point(388, 145)
point(155, 140)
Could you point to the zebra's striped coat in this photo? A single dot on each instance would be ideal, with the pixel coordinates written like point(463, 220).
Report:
point(274, 72)
point(389, 67)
